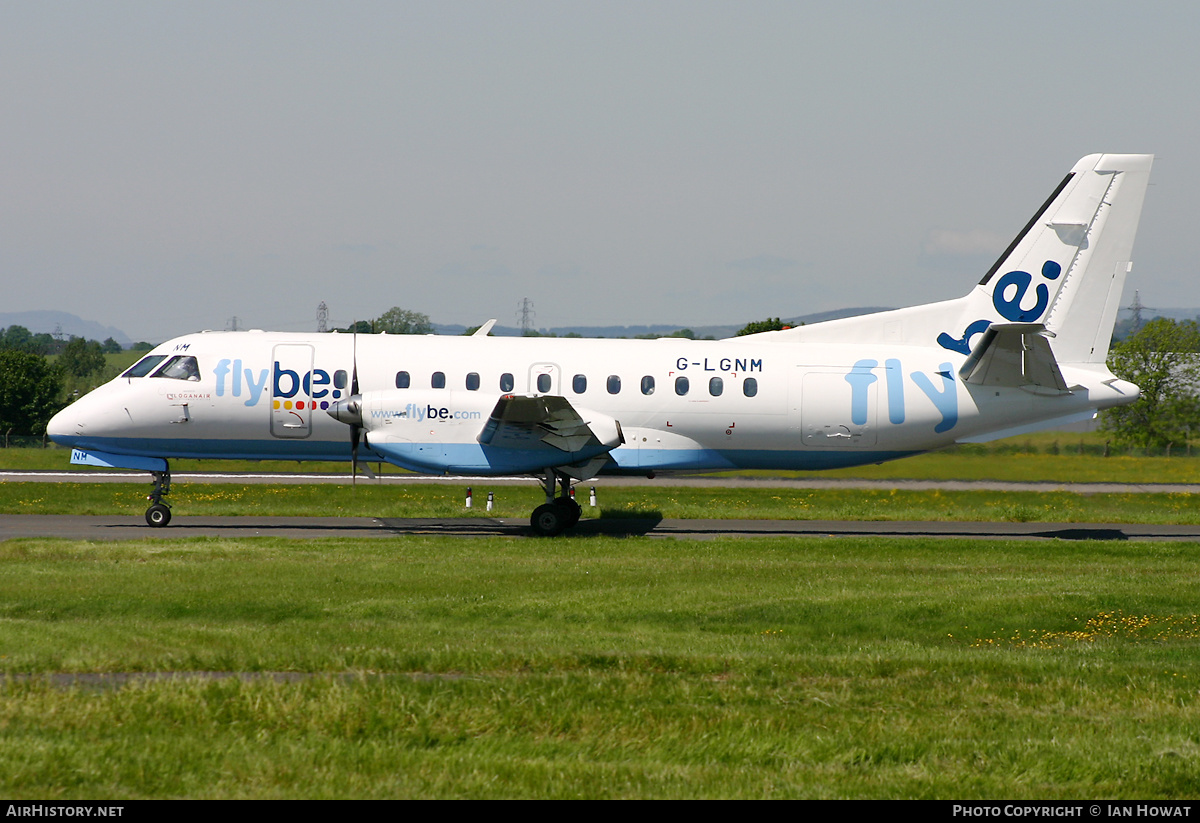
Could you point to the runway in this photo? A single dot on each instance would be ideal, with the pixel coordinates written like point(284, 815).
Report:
point(83, 527)
point(254, 478)
point(132, 528)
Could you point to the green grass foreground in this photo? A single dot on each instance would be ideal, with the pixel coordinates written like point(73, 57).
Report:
point(602, 667)
point(516, 502)
point(1062, 457)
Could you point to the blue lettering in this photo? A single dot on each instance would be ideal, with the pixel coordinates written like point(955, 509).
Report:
point(277, 390)
point(319, 378)
point(681, 363)
point(708, 367)
point(860, 379)
point(726, 364)
point(220, 371)
point(287, 383)
point(739, 364)
point(963, 344)
point(256, 389)
point(1010, 309)
point(756, 365)
point(945, 400)
point(895, 390)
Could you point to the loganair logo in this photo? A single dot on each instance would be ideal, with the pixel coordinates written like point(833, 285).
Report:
point(1008, 297)
point(316, 388)
point(420, 414)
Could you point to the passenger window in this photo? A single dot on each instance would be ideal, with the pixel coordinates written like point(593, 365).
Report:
point(543, 383)
point(715, 386)
point(749, 387)
point(181, 367)
point(681, 386)
point(506, 382)
point(579, 383)
point(473, 381)
point(403, 381)
point(614, 384)
point(439, 380)
point(339, 379)
point(647, 385)
point(144, 366)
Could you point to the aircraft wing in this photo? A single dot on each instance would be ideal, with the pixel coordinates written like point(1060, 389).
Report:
point(1015, 355)
point(520, 422)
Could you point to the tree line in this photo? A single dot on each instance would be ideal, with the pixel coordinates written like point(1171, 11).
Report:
point(40, 374)
point(1163, 359)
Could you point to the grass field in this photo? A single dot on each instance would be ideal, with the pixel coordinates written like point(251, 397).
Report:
point(608, 667)
point(602, 667)
point(516, 502)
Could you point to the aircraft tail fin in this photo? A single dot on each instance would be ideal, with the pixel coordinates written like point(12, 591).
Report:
point(1065, 270)
point(1085, 308)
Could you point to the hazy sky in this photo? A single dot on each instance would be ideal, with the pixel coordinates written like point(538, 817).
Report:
point(165, 166)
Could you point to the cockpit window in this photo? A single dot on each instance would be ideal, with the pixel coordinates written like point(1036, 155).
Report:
point(144, 366)
point(180, 367)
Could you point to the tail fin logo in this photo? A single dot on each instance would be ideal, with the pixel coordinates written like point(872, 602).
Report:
point(1007, 296)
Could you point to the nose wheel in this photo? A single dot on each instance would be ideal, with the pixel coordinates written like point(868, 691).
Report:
point(159, 513)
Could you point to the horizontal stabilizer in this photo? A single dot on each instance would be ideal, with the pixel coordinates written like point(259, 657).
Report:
point(1014, 355)
point(517, 422)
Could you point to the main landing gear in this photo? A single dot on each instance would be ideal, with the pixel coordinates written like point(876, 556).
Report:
point(558, 513)
point(159, 513)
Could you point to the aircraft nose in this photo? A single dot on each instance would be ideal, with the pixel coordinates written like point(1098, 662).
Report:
point(348, 411)
point(65, 426)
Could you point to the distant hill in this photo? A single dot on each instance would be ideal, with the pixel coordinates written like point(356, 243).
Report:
point(49, 322)
point(663, 329)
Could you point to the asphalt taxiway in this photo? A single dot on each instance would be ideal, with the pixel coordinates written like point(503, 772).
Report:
point(87, 527)
point(81, 527)
point(103, 476)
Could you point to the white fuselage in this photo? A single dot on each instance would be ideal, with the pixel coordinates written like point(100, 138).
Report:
point(680, 404)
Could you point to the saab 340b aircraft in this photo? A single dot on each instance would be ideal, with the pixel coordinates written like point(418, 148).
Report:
point(1024, 350)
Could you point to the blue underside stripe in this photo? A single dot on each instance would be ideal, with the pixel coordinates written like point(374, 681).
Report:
point(458, 458)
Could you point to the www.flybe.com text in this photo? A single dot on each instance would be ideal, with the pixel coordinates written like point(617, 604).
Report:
point(414, 411)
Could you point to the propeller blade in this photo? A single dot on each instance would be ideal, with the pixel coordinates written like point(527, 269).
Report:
point(350, 412)
point(354, 364)
point(355, 431)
